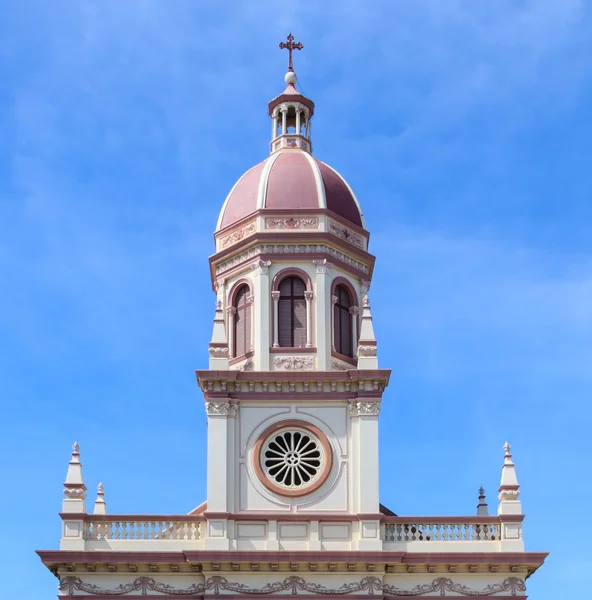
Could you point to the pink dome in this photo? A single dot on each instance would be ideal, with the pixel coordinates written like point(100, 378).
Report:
point(290, 179)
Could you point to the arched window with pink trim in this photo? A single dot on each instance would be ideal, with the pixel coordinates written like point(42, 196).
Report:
point(292, 313)
point(342, 322)
point(242, 321)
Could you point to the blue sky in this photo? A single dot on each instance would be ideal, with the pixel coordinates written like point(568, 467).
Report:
point(464, 128)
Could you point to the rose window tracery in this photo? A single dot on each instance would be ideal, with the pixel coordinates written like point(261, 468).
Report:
point(292, 458)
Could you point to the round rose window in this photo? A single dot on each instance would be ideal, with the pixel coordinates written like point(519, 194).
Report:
point(292, 458)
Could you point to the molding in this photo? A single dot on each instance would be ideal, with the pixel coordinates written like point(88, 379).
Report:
point(293, 585)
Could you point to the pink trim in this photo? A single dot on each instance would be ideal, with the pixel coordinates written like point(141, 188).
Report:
point(305, 518)
point(381, 375)
point(286, 350)
point(347, 284)
point(204, 556)
point(195, 518)
point(305, 490)
point(236, 287)
point(433, 520)
point(291, 272)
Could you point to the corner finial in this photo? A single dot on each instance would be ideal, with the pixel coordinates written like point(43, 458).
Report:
point(74, 488)
point(509, 486)
point(100, 504)
point(482, 508)
point(367, 346)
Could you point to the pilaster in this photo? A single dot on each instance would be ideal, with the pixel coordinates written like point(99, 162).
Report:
point(262, 337)
point(324, 316)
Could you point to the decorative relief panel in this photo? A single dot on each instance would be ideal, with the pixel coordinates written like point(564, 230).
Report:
point(293, 363)
point(237, 235)
point(346, 234)
point(294, 585)
point(291, 223)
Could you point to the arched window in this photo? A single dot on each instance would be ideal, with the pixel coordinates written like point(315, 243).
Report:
point(342, 322)
point(242, 321)
point(292, 313)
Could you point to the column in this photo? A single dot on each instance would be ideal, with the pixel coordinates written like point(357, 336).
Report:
point(261, 316)
point(308, 298)
point(274, 127)
point(354, 311)
point(323, 313)
point(230, 312)
point(284, 110)
point(276, 318)
point(298, 121)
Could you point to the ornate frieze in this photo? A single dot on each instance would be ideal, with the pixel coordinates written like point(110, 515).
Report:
point(293, 585)
point(346, 234)
point(291, 223)
point(237, 235)
point(293, 363)
point(226, 409)
point(284, 249)
point(365, 407)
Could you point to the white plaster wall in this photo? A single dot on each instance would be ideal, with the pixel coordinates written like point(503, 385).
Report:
point(332, 419)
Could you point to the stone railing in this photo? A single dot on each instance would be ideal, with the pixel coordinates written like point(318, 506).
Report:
point(442, 529)
point(142, 527)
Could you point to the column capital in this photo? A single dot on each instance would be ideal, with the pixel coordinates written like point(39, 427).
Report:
point(231, 310)
point(354, 310)
point(275, 295)
point(323, 266)
point(365, 408)
point(261, 267)
point(308, 295)
point(221, 409)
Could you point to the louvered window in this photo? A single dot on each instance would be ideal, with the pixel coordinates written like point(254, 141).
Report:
point(342, 322)
point(242, 322)
point(292, 313)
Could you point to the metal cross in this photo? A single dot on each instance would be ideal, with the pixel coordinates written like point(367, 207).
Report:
point(291, 46)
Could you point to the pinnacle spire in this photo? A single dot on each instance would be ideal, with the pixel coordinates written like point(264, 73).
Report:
point(100, 504)
point(367, 358)
point(509, 486)
point(219, 343)
point(74, 488)
point(482, 509)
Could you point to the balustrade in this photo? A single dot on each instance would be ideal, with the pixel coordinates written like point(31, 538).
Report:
point(124, 528)
point(404, 530)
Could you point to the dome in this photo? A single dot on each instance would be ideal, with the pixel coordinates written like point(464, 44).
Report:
point(290, 179)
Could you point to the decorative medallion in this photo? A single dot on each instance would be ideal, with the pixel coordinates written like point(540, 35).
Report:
point(292, 458)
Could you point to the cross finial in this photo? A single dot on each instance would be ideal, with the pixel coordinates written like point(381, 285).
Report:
point(507, 449)
point(290, 45)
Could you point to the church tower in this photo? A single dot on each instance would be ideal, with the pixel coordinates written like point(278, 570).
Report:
point(293, 391)
point(293, 395)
